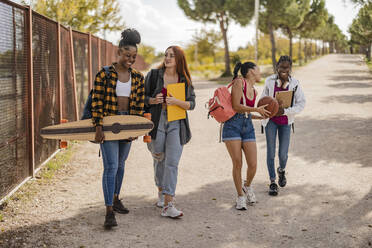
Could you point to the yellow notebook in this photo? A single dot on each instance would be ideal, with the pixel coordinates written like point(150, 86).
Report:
point(178, 91)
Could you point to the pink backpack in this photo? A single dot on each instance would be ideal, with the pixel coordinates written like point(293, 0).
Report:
point(220, 106)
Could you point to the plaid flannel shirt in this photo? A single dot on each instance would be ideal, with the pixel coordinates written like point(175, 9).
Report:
point(104, 99)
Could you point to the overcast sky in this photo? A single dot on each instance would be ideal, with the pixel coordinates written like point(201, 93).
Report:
point(162, 23)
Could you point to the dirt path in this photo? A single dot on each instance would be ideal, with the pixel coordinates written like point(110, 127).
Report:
point(327, 203)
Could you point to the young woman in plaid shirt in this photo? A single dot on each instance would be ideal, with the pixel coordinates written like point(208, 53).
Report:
point(118, 92)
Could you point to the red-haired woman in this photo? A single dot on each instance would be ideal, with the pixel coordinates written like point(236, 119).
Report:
point(168, 138)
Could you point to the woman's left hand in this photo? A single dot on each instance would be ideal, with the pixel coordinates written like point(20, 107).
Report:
point(171, 100)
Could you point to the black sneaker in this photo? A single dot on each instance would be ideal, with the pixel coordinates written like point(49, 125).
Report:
point(273, 189)
point(110, 220)
point(282, 180)
point(119, 207)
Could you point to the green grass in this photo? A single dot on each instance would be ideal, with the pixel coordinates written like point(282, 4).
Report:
point(48, 171)
point(30, 189)
point(369, 64)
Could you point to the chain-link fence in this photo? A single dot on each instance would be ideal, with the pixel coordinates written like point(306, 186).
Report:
point(46, 72)
point(14, 112)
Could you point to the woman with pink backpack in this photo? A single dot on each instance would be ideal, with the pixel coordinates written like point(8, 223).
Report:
point(238, 132)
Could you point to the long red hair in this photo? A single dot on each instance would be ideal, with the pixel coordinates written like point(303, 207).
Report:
point(181, 64)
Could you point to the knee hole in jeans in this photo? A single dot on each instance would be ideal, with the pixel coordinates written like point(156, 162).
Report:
point(158, 156)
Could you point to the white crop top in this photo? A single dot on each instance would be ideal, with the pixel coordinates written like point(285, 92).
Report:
point(124, 89)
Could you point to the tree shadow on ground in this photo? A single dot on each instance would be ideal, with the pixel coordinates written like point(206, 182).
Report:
point(301, 216)
point(350, 71)
point(346, 60)
point(353, 85)
point(348, 99)
point(351, 78)
point(336, 139)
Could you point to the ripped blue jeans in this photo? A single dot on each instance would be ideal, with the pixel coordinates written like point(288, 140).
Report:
point(166, 150)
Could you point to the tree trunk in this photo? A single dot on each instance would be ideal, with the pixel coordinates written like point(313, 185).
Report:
point(331, 47)
point(223, 26)
point(323, 51)
point(299, 52)
point(273, 49)
point(305, 51)
point(311, 49)
point(290, 35)
point(369, 52)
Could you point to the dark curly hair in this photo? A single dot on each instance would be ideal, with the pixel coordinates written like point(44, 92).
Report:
point(129, 37)
point(284, 58)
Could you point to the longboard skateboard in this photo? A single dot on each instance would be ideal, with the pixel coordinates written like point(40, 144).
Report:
point(116, 127)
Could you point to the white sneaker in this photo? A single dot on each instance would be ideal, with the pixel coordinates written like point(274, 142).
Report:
point(241, 203)
point(171, 211)
point(160, 202)
point(248, 191)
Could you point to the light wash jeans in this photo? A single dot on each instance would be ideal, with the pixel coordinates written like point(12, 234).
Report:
point(166, 150)
point(284, 134)
point(114, 154)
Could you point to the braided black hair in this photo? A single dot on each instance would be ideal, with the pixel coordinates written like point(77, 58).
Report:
point(129, 37)
point(284, 58)
point(244, 68)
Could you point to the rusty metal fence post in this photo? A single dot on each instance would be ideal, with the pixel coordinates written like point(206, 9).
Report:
point(90, 83)
point(31, 94)
point(74, 75)
point(60, 102)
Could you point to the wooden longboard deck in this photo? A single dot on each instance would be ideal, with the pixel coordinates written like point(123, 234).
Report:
point(114, 127)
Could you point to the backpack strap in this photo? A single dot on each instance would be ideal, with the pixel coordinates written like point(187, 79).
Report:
point(294, 91)
point(107, 72)
point(153, 76)
point(220, 138)
point(244, 100)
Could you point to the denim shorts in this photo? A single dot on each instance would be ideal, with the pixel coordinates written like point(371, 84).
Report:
point(239, 127)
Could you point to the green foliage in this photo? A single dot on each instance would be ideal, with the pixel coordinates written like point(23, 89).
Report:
point(294, 15)
point(271, 14)
point(213, 11)
point(108, 16)
point(207, 70)
point(221, 12)
point(204, 46)
point(361, 2)
point(148, 53)
point(84, 15)
point(314, 20)
point(264, 54)
point(361, 29)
